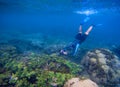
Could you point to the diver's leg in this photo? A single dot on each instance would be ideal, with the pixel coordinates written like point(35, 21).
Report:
point(71, 46)
point(64, 50)
point(89, 29)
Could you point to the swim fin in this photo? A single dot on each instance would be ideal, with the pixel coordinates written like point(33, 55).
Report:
point(76, 48)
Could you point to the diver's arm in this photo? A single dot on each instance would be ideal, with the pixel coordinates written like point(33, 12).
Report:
point(80, 29)
point(89, 29)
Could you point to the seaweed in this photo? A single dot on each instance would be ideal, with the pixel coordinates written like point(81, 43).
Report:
point(34, 70)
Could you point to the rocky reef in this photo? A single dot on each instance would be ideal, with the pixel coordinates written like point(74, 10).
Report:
point(24, 64)
point(26, 45)
point(103, 67)
point(76, 82)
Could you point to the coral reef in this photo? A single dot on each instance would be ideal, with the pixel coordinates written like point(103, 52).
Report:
point(24, 64)
point(75, 82)
point(50, 49)
point(34, 70)
point(7, 52)
point(26, 45)
point(103, 67)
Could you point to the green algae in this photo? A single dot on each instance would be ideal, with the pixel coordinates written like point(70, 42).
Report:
point(35, 70)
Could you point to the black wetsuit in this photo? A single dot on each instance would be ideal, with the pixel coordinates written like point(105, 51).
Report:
point(79, 38)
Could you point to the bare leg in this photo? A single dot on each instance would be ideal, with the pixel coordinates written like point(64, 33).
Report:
point(89, 29)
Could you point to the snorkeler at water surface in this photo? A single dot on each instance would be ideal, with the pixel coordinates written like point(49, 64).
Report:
point(79, 38)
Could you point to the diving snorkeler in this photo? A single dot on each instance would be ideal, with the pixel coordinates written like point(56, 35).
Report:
point(79, 38)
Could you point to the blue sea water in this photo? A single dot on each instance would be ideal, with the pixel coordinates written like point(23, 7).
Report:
point(60, 19)
point(51, 25)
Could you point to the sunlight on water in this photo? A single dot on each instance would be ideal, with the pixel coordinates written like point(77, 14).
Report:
point(86, 12)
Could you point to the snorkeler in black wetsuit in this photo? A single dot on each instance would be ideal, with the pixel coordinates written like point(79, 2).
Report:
point(79, 38)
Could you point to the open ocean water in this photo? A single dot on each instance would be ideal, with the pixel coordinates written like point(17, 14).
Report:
point(62, 18)
point(56, 22)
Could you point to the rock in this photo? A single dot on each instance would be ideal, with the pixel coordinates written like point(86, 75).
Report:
point(102, 61)
point(97, 51)
point(101, 55)
point(93, 60)
point(102, 66)
point(75, 82)
point(105, 68)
